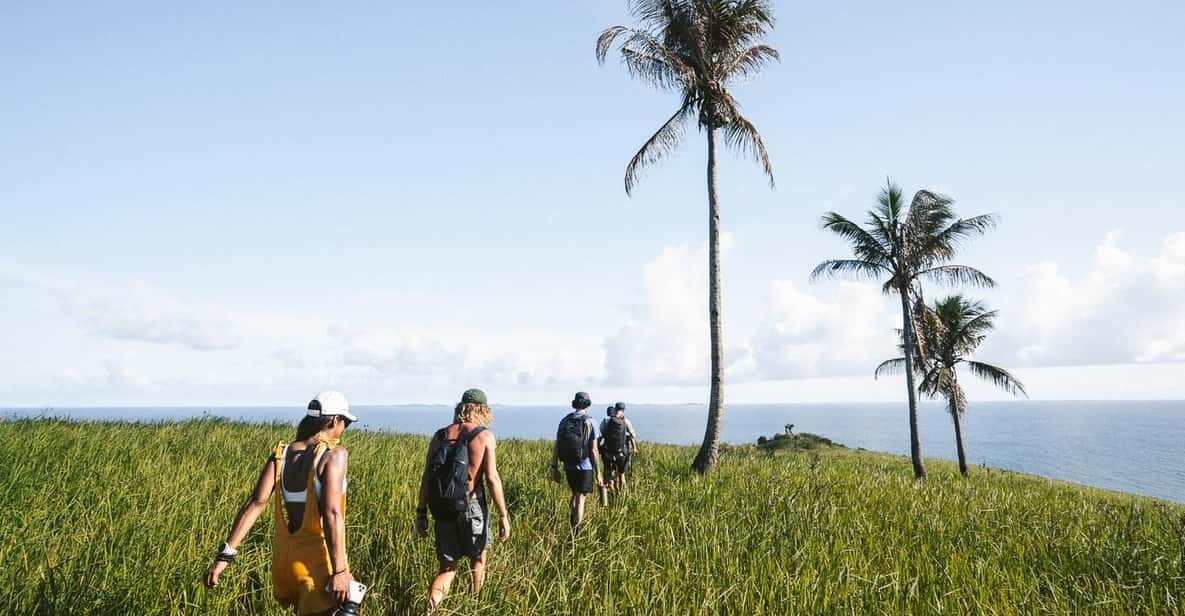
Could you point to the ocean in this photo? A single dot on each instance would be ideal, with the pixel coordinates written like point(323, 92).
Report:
point(1129, 446)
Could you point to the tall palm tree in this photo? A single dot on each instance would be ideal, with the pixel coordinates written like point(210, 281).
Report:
point(906, 247)
point(698, 48)
point(952, 330)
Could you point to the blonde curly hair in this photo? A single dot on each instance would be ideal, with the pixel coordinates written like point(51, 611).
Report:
point(473, 412)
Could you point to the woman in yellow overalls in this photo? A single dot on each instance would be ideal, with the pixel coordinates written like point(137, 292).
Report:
point(307, 479)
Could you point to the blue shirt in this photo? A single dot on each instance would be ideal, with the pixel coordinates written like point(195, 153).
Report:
point(586, 463)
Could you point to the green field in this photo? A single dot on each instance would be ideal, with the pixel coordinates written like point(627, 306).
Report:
point(123, 519)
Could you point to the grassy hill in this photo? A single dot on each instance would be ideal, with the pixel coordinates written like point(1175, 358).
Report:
point(123, 519)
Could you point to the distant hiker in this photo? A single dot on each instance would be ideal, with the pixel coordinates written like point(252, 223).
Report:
point(617, 443)
point(307, 481)
point(576, 446)
point(460, 466)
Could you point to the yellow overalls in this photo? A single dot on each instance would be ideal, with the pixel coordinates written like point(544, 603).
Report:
point(300, 560)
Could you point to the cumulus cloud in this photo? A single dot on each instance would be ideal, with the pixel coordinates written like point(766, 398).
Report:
point(135, 311)
point(804, 336)
point(1126, 308)
point(388, 351)
point(388, 354)
point(665, 338)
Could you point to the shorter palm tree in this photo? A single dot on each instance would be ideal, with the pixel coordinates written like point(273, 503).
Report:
point(906, 247)
point(947, 334)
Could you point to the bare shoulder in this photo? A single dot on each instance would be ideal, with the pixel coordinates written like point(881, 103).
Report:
point(336, 454)
point(486, 438)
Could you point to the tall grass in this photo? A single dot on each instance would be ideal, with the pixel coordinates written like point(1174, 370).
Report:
point(109, 518)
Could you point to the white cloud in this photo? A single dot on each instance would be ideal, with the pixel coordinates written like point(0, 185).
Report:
point(1126, 308)
point(135, 311)
point(665, 339)
point(805, 336)
point(389, 351)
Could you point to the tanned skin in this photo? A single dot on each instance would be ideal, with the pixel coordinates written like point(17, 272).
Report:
point(483, 473)
point(332, 473)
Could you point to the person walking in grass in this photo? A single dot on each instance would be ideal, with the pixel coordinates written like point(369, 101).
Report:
point(461, 465)
point(576, 446)
point(617, 444)
point(306, 481)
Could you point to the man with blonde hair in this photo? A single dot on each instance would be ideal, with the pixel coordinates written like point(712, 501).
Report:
point(460, 466)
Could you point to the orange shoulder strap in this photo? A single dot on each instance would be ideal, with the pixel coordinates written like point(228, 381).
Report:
point(277, 489)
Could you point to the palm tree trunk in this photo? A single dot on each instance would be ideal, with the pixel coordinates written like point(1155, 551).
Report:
point(705, 460)
point(954, 414)
point(915, 443)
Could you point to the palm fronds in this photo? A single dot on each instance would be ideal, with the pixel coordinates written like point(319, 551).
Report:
point(956, 275)
point(697, 48)
point(852, 267)
point(890, 366)
point(660, 144)
point(741, 135)
point(999, 377)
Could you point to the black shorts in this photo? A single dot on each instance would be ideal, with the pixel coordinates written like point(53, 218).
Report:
point(465, 535)
point(580, 481)
point(616, 463)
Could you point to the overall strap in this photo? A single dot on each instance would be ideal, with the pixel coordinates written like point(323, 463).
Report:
point(278, 455)
point(312, 505)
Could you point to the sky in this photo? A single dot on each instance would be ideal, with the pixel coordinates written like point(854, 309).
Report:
point(245, 203)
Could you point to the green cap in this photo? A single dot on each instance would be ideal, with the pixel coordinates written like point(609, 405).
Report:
point(475, 396)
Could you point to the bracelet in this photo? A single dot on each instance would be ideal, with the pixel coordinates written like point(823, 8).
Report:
point(341, 572)
point(225, 558)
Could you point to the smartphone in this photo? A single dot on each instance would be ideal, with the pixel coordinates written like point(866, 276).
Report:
point(357, 590)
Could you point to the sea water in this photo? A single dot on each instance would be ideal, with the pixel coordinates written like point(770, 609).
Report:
point(1131, 446)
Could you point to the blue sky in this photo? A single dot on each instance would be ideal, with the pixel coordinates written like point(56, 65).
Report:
point(242, 204)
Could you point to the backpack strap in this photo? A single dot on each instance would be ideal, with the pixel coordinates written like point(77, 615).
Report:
point(468, 436)
point(585, 436)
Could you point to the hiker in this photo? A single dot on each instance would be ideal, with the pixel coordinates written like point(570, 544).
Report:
point(307, 483)
point(460, 466)
point(576, 446)
point(617, 443)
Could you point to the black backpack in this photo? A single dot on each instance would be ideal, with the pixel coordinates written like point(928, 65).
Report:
point(448, 475)
point(572, 439)
point(614, 435)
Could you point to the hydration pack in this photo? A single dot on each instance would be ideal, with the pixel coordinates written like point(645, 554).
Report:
point(448, 475)
point(572, 439)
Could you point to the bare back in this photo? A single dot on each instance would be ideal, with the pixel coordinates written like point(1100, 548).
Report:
point(294, 477)
point(478, 447)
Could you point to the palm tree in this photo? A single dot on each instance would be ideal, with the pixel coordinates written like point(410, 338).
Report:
point(697, 48)
point(905, 247)
point(952, 330)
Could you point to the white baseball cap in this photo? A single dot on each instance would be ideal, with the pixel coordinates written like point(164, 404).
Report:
point(329, 403)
